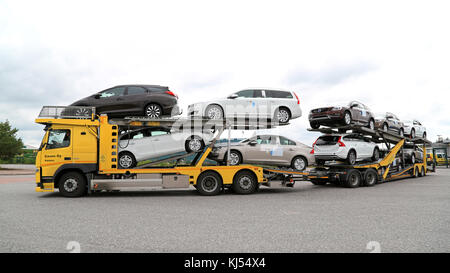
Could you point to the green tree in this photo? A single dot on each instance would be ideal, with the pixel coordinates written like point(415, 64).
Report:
point(10, 144)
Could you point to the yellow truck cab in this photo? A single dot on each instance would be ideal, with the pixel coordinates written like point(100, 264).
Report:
point(78, 154)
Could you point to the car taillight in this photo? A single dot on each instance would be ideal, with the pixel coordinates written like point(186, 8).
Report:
point(298, 100)
point(312, 151)
point(172, 94)
point(341, 144)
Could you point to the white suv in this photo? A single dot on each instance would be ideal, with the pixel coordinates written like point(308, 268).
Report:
point(251, 103)
point(348, 147)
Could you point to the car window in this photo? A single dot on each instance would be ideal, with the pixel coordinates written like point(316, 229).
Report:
point(113, 92)
point(137, 135)
point(278, 94)
point(245, 94)
point(257, 94)
point(264, 139)
point(285, 141)
point(136, 90)
point(58, 139)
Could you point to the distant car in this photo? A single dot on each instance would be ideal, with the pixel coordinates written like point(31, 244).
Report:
point(266, 150)
point(344, 114)
point(414, 128)
point(349, 147)
point(389, 122)
point(148, 143)
point(153, 101)
point(413, 155)
point(278, 105)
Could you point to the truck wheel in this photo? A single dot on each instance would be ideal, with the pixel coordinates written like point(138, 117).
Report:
point(209, 183)
point(370, 178)
point(72, 184)
point(422, 172)
point(416, 172)
point(353, 179)
point(244, 182)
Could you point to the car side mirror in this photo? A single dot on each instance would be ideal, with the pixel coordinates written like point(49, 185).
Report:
point(389, 117)
point(253, 143)
point(353, 105)
point(232, 96)
point(97, 96)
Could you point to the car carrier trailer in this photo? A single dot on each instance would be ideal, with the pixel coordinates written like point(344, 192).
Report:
point(87, 160)
point(368, 173)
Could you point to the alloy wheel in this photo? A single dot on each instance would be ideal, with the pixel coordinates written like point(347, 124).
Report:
point(153, 111)
point(125, 161)
point(299, 164)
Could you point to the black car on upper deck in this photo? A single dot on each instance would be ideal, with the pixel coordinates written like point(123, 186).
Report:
point(152, 101)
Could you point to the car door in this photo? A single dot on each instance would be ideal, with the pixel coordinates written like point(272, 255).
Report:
point(275, 99)
point(353, 142)
point(110, 100)
point(264, 151)
point(138, 143)
point(357, 111)
point(164, 142)
point(242, 106)
point(133, 100)
point(290, 149)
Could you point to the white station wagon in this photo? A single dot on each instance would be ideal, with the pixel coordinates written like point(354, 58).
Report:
point(149, 143)
point(278, 105)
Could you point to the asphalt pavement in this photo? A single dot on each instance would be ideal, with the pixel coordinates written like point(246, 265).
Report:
point(410, 215)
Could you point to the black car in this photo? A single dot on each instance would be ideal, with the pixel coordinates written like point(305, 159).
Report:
point(151, 101)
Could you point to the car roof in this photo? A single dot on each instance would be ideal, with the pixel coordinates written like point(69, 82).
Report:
point(266, 88)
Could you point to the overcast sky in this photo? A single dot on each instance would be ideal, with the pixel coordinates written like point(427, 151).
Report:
point(391, 55)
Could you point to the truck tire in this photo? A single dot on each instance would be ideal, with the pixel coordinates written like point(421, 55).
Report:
point(370, 178)
point(244, 182)
point(209, 183)
point(72, 184)
point(416, 172)
point(353, 179)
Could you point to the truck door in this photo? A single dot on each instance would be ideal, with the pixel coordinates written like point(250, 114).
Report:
point(57, 150)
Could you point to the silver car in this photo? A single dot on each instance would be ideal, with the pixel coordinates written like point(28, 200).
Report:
point(270, 150)
point(279, 105)
point(348, 147)
point(414, 128)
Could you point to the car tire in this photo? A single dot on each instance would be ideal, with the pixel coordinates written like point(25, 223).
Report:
point(376, 154)
point(347, 118)
point(413, 158)
point(353, 179)
point(370, 178)
point(153, 110)
point(385, 127)
point(401, 132)
point(209, 183)
point(194, 144)
point(371, 124)
point(72, 184)
point(424, 136)
point(299, 163)
point(413, 133)
point(235, 158)
point(244, 182)
point(282, 115)
point(214, 111)
point(314, 125)
point(351, 157)
point(126, 160)
point(422, 172)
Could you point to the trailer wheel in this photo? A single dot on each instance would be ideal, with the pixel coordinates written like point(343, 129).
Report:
point(422, 172)
point(370, 178)
point(72, 184)
point(416, 172)
point(209, 183)
point(353, 179)
point(244, 182)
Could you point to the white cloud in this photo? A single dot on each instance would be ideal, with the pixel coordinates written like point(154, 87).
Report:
point(392, 55)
